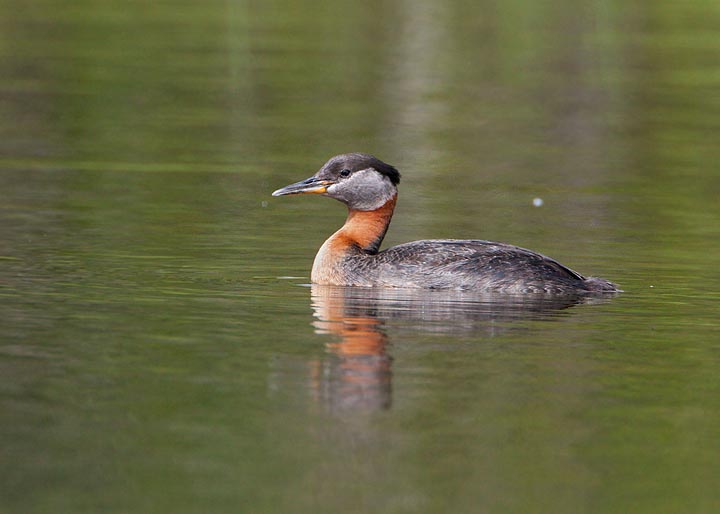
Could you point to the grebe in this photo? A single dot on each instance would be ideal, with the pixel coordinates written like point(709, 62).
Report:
point(350, 257)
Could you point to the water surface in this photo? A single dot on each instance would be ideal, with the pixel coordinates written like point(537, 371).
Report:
point(162, 351)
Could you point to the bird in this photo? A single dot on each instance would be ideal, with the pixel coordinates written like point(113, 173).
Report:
point(352, 256)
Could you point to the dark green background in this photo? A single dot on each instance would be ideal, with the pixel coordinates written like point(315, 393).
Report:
point(157, 346)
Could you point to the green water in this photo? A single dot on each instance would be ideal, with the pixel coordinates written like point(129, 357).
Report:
point(161, 350)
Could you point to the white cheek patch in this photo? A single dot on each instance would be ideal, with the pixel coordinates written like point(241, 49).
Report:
point(364, 190)
point(361, 179)
point(348, 187)
point(370, 190)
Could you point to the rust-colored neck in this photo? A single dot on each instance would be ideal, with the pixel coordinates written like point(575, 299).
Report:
point(366, 229)
point(363, 231)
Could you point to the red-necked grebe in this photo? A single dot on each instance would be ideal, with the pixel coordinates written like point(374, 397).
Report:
point(350, 257)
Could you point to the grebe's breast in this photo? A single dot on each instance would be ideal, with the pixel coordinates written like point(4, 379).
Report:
point(465, 264)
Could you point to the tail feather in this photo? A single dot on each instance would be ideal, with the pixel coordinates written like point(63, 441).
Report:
point(600, 285)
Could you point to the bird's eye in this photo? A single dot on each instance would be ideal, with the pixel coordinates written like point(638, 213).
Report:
point(345, 173)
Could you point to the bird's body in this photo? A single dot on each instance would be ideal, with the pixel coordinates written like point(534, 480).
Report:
point(351, 256)
point(455, 264)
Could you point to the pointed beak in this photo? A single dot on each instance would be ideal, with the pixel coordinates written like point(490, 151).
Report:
point(312, 185)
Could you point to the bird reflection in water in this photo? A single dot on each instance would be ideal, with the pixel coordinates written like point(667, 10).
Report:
point(359, 376)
